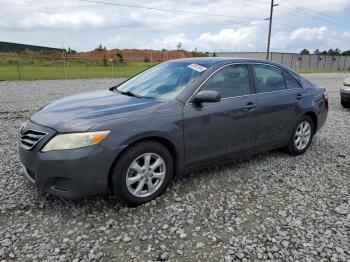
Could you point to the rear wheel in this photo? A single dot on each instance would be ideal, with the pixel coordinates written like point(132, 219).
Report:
point(301, 137)
point(142, 173)
point(345, 104)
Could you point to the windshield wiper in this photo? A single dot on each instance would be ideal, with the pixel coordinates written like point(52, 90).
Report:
point(129, 93)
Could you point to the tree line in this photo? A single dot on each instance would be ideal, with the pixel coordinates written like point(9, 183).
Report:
point(336, 51)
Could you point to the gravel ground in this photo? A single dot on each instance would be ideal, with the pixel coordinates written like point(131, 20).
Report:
point(267, 207)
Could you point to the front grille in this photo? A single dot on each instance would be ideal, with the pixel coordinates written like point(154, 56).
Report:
point(30, 138)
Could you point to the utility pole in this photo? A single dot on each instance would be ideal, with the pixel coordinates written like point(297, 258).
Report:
point(270, 25)
point(64, 62)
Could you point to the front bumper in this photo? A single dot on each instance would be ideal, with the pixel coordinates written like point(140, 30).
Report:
point(67, 173)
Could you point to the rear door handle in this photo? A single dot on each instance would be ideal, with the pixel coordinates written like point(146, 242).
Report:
point(250, 106)
point(299, 96)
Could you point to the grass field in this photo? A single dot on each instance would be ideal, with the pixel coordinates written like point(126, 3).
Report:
point(36, 68)
point(37, 72)
point(54, 72)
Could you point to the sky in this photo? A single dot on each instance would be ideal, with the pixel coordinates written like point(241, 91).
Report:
point(212, 26)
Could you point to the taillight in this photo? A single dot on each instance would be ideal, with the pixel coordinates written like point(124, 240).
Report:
point(325, 98)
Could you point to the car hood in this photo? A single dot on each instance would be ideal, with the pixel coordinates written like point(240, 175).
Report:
point(80, 112)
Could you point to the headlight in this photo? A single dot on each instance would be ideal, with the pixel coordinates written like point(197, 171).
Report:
point(75, 140)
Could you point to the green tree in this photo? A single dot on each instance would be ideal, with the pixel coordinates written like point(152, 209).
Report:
point(330, 52)
point(317, 51)
point(120, 58)
point(179, 46)
point(346, 52)
point(337, 51)
point(99, 48)
point(304, 52)
point(146, 59)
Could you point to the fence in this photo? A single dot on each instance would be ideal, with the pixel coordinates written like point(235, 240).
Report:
point(32, 67)
point(297, 61)
point(27, 67)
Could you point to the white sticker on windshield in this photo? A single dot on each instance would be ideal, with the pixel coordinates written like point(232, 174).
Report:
point(197, 67)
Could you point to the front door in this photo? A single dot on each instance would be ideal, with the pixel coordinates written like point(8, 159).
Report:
point(229, 126)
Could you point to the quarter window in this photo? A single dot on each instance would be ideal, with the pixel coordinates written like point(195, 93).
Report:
point(229, 81)
point(268, 79)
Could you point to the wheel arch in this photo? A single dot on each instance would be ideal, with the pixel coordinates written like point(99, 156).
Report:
point(178, 163)
point(314, 118)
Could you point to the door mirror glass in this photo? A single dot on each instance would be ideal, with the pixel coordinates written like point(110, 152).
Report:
point(206, 97)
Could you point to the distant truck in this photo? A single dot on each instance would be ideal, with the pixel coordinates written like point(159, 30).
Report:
point(345, 93)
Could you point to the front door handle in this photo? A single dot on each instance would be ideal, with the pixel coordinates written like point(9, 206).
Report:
point(250, 106)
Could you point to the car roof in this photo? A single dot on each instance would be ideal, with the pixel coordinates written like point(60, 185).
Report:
point(210, 61)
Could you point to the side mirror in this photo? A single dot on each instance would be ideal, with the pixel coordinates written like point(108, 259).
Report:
point(206, 97)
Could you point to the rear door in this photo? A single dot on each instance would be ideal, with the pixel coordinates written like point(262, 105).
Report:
point(279, 96)
point(229, 126)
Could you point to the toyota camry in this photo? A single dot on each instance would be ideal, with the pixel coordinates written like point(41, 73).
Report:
point(131, 140)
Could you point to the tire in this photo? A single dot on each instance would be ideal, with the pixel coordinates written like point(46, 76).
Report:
point(132, 177)
point(298, 148)
point(345, 104)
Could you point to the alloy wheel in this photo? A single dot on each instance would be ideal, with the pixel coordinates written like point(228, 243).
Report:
point(145, 175)
point(302, 135)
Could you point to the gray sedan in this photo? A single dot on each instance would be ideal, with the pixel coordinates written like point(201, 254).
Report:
point(178, 116)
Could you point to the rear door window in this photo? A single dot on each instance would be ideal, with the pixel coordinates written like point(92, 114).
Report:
point(268, 79)
point(291, 82)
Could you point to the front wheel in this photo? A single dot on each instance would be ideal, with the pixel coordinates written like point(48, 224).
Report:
point(142, 173)
point(301, 137)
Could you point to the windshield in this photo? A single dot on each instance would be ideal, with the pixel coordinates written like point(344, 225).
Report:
point(164, 81)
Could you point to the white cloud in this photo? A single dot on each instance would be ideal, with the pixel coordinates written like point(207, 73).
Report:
point(170, 42)
point(70, 20)
point(244, 38)
point(312, 38)
point(249, 38)
point(122, 27)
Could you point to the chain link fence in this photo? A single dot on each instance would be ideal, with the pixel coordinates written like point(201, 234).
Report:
point(34, 67)
point(298, 62)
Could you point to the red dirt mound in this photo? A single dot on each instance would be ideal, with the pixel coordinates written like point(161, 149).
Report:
point(130, 55)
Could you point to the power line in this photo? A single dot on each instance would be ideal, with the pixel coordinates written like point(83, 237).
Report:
point(307, 12)
point(317, 12)
point(213, 14)
point(330, 19)
point(257, 1)
point(171, 11)
point(287, 25)
point(253, 1)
